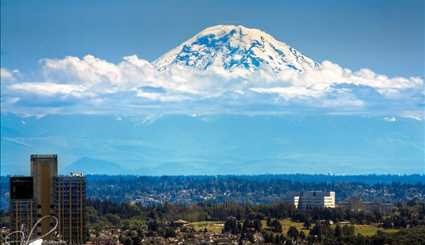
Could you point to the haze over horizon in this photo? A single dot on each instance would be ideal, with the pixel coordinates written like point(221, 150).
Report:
point(230, 99)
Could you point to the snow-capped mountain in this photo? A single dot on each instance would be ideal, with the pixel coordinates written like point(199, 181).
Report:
point(235, 48)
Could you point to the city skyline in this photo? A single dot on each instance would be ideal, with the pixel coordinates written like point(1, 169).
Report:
point(48, 206)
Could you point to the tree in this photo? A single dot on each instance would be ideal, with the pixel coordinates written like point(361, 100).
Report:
point(307, 224)
point(245, 226)
point(232, 225)
point(316, 231)
point(276, 226)
point(293, 232)
point(268, 222)
point(126, 240)
point(302, 235)
point(338, 232)
point(153, 225)
point(113, 218)
point(136, 240)
point(257, 225)
point(268, 237)
point(169, 232)
point(129, 241)
point(282, 238)
point(348, 231)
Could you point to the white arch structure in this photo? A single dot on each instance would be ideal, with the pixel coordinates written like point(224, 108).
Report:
point(26, 239)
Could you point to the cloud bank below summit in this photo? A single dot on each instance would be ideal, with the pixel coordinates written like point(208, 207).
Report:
point(137, 86)
point(93, 85)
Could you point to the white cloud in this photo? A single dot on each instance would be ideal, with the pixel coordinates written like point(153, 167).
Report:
point(89, 70)
point(390, 119)
point(7, 75)
point(135, 84)
point(291, 92)
point(49, 89)
point(418, 115)
point(330, 74)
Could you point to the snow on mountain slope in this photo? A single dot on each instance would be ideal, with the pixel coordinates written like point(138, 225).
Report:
point(235, 48)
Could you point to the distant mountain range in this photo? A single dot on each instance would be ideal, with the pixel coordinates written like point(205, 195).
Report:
point(88, 165)
point(220, 144)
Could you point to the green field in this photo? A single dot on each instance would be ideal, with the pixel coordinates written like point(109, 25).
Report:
point(212, 226)
point(365, 230)
point(217, 227)
point(370, 230)
point(286, 223)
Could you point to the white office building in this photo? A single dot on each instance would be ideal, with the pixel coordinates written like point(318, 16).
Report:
point(315, 199)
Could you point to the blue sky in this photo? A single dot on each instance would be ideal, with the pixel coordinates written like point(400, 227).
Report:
point(356, 107)
point(386, 36)
point(63, 57)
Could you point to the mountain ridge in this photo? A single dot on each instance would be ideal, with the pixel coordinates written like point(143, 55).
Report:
point(218, 144)
point(88, 165)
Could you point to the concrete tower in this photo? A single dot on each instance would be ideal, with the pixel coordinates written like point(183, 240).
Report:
point(44, 168)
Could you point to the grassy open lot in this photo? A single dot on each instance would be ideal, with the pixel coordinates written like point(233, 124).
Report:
point(217, 227)
point(286, 223)
point(212, 226)
point(365, 230)
point(370, 230)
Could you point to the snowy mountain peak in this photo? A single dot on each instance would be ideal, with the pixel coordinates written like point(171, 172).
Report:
point(233, 48)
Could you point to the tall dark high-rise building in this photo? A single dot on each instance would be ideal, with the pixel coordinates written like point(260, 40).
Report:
point(44, 168)
point(45, 193)
point(70, 206)
point(21, 203)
